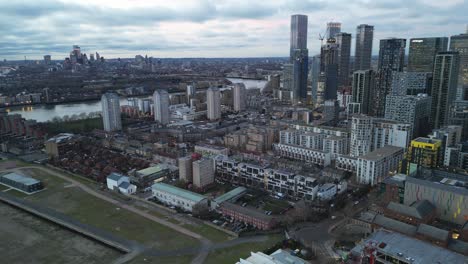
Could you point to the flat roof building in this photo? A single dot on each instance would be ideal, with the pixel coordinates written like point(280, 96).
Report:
point(21, 183)
point(177, 197)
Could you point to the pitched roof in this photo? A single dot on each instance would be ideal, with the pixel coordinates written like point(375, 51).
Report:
point(178, 192)
point(419, 209)
point(433, 232)
point(115, 176)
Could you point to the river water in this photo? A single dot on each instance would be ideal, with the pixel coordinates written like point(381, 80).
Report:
point(44, 113)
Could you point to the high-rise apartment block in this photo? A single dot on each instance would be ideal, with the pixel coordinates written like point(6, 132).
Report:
point(110, 103)
point(444, 86)
point(370, 133)
point(363, 85)
point(343, 40)
point(363, 52)
point(391, 59)
point(459, 43)
point(185, 169)
point(213, 103)
point(203, 172)
point(239, 97)
point(410, 109)
point(161, 106)
point(411, 83)
point(299, 56)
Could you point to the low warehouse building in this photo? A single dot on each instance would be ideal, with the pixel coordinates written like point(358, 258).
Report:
point(178, 197)
point(21, 183)
point(248, 216)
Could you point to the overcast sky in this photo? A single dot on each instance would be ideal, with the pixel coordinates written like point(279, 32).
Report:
point(207, 28)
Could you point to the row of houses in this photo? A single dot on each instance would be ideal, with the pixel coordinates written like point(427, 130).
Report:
point(277, 182)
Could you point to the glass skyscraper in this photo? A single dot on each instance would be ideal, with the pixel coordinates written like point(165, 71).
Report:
point(299, 56)
point(444, 86)
point(422, 52)
point(363, 54)
point(459, 43)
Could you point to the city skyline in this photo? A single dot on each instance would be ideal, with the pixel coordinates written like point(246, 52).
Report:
point(207, 28)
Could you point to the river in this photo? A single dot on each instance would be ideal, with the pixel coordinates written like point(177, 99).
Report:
point(44, 113)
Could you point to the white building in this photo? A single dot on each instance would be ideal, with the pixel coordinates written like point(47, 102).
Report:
point(318, 157)
point(210, 150)
point(213, 103)
point(336, 145)
point(375, 166)
point(110, 103)
point(278, 257)
point(239, 97)
point(203, 172)
point(121, 183)
point(161, 106)
point(327, 191)
point(177, 197)
point(369, 133)
point(290, 136)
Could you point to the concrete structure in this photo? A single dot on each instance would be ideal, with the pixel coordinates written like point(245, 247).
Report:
point(239, 97)
point(161, 106)
point(422, 52)
point(450, 136)
point(410, 109)
point(278, 257)
point(213, 103)
point(369, 133)
point(110, 103)
point(363, 85)
point(203, 172)
point(411, 83)
point(177, 197)
point(185, 169)
point(21, 183)
point(363, 52)
point(391, 59)
point(444, 86)
point(377, 165)
point(393, 188)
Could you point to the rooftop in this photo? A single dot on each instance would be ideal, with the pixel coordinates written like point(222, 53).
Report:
point(381, 153)
point(60, 138)
point(231, 194)
point(433, 232)
point(150, 170)
point(426, 140)
point(394, 225)
point(419, 209)
point(178, 192)
point(115, 176)
point(402, 247)
point(398, 179)
point(246, 211)
point(20, 178)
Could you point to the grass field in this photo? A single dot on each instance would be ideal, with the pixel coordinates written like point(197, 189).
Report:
point(233, 254)
point(209, 232)
point(70, 200)
point(28, 239)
